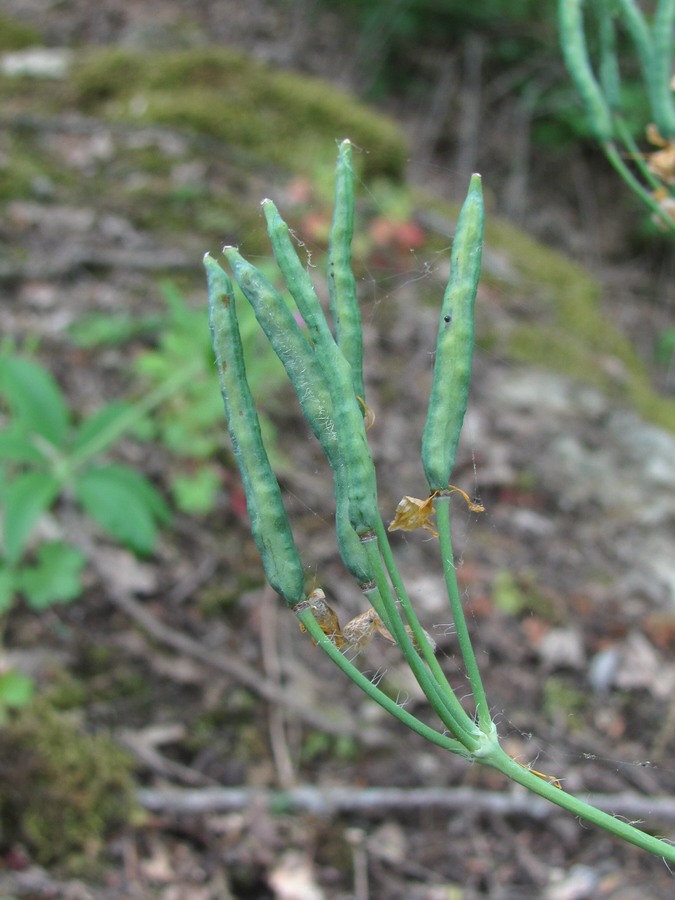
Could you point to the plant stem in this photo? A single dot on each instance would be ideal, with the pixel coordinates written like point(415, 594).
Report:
point(620, 166)
point(636, 154)
point(442, 505)
point(419, 634)
point(498, 759)
point(355, 675)
point(439, 693)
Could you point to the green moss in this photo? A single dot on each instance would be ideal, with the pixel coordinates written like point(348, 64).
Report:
point(17, 36)
point(563, 702)
point(517, 596)
point(271, 114)
point(61, 791)
point(566, 329)
point(20, 168)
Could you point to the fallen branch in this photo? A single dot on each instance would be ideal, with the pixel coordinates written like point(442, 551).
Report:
point(328, 801)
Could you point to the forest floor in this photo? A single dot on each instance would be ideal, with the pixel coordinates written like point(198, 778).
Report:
point(192, 665)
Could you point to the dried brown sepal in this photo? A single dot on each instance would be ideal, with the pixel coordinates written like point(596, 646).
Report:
point(360, 630)
point(661, 162)
point(412, 513)
point(667, 204)
point(326, 618)
point(551, 779)
point(473, 504)
point(388, 636)
point(368, 414)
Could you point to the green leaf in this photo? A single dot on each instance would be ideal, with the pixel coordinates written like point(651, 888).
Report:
point(55, 578)
point(17, 447)
point(16, 689)
point(124, 503)
point(26, 498)
point(103, 428)
point(196, 492)
point(34, 398)
point(107, 329)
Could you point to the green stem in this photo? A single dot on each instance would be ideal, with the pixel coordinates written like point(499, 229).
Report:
point(625, 173)
point(636, 155)
point(439, 693)
point(409, 610)
point(442, 740)
point(442, 505)
point(498, 759)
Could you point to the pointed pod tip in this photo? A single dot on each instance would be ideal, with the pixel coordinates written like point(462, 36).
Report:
point(270, 210)
point(476, 185)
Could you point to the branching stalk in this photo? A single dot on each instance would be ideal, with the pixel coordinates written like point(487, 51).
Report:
point(650, 175)
point(324, 369)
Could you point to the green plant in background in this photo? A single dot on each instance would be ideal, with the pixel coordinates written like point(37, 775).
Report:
point(649, 175)
point(46, 455)
point(326, 373)
point(384, 31)
point(186, 420)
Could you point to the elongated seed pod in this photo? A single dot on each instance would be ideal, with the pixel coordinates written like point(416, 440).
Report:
point(349, 545)
point(297, 280)
point(454, 347)
point(353, 465)
point(659, 69)
point(608, 66)
point(573, 42)
point(654, 47)
point(341, 285)
point(357, 468)
point(291, 346)
point(269, 523)
point(302, 290)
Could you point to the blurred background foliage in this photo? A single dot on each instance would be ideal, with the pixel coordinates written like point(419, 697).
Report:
point(158, 139)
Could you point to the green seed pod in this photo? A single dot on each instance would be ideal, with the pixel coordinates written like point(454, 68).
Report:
point(454, 347)
point(302, 290)
point(351, 460)
point(341, 285)
point(291, 346)
point(658, 70)
point(269, 523)
point(608, 65)
point(351, 549)
point(356, 461)
point(297, 280)
point(574, 49)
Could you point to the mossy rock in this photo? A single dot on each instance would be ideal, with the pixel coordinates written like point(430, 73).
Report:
point(550, 314)
point(17, 36)
point(61, 791)
point(275, 116)
point(565, 328)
